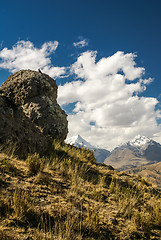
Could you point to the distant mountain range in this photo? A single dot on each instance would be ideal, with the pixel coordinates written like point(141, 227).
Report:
point(99, 153)
point(138, 152)
point(140, 156)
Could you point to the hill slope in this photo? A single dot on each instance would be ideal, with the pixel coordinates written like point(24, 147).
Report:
point(69, 196)
point(151, 172)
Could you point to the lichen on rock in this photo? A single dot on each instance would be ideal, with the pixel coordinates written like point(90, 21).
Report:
point(30, 114)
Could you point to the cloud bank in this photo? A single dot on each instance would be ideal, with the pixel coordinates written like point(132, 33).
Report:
point(106, 94)
point(24, 55)
point(108, 110)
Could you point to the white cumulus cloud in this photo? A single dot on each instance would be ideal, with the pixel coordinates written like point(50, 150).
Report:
point(108, 109)
point(24, 55)
point(82, 43)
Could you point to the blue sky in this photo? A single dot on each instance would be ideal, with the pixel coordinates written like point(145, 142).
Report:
point(47, 30)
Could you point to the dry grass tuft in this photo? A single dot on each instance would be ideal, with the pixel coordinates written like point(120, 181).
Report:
point(34, 163)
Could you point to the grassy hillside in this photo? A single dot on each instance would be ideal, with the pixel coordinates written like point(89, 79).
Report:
point(69, 196)
point(151, 172)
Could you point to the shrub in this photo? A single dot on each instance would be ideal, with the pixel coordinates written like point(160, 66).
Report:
point(21, 202)
point(35, 163)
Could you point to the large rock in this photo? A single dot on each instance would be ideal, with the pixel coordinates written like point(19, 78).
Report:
point(30, 116)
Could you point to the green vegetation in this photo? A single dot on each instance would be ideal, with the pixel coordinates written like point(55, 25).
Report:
point(70, 196)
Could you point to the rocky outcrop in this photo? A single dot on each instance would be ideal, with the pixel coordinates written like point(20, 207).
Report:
point(30, 115)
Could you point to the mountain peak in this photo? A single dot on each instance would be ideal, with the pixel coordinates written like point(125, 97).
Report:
point(139, 141)
point(135, 153)
point(99, 153)
point(78, 141)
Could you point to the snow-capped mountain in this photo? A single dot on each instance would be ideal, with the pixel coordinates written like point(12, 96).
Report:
point(79, 142)
point(140, 141)
point(99, 153)
point(137, 152)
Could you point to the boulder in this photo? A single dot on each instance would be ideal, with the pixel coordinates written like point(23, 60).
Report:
point(30, 115)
